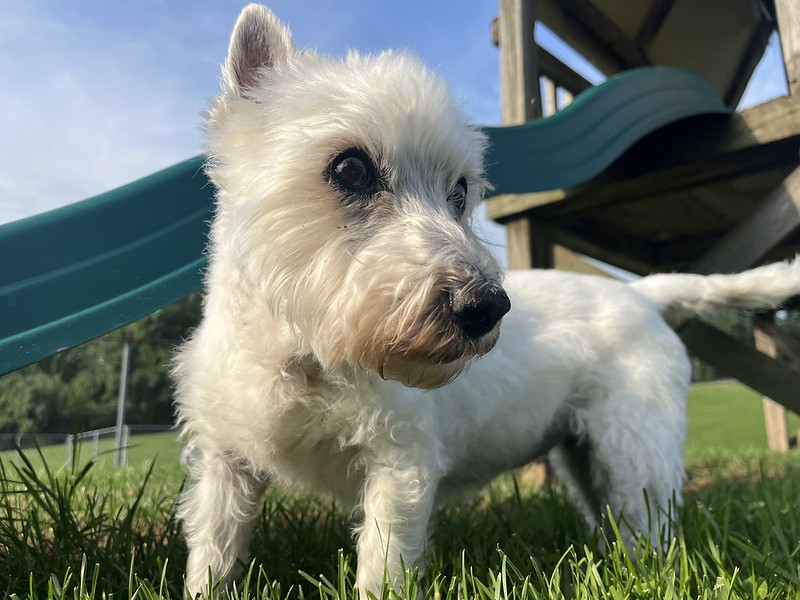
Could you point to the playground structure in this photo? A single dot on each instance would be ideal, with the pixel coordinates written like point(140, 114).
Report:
point(629, 174)
point(706, 194)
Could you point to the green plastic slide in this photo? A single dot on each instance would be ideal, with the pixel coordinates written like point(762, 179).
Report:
point(75, 273)
point(582, 140)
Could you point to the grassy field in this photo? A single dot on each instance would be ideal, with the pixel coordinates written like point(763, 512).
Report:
point(162, 447)
point(93, 532)
point(727, 416)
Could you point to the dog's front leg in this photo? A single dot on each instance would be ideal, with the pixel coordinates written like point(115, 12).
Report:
point(218, 511)
point(397, 506)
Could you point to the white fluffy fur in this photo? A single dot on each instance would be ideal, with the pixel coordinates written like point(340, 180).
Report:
point(310, 300)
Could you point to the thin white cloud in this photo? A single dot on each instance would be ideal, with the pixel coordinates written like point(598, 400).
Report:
point(86, 111)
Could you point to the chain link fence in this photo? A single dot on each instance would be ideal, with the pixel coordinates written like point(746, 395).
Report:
point(91, 444)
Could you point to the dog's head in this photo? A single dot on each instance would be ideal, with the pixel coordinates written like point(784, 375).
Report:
point(346, 190)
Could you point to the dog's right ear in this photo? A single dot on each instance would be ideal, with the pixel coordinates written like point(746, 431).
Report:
point(259, 41)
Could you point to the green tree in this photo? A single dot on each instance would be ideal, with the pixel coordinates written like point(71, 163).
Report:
point(77, 389)
point(154, 341)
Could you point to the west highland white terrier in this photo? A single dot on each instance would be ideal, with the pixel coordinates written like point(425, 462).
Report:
point(348, 298)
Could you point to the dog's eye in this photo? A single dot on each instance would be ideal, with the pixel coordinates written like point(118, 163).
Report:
point(354, 171)
point(458, 197)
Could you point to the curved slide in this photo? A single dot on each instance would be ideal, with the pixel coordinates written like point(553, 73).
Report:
point(77, 272)
point(582, 140)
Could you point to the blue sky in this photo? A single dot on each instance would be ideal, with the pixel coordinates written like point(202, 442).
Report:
point(96, 93)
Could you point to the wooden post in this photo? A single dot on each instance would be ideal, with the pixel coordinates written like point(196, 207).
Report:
point(745, 245)
point(528, 245)
point(521, 101)
point(550, 106)
point(788, 12)
point(519, 70)
point(518, 244)
point(774, 414)
point(566, 97)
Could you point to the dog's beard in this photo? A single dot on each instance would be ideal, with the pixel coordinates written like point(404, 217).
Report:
point(427, 353)
point(408, 337)
point(426, 376)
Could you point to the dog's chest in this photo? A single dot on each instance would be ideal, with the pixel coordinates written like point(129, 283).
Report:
point(315, 428)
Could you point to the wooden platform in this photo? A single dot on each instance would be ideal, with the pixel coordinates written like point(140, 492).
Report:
point(677, 193)
point(708, 194)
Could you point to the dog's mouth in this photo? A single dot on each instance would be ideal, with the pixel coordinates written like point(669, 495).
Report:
point(430, 332)
point(442, 345)
point(450, 330)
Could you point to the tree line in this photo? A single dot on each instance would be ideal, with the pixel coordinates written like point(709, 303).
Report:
point(77, 389)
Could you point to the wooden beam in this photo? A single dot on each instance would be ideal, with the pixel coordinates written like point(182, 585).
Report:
point(560, 73)
point(681, 254)
point(566, 26)
point(752, 56)
point(600, 26)
point(519, 70)
point(565, 259)
point(505, 207)
point(658, 13)
point(746, 364)
point(788, 13)
point(595, 242)
point(590, 197)
point(746, 244)
point(785, 343)
point(774, 413)
point(531, 246)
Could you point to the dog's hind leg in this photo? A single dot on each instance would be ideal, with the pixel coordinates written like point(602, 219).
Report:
point(570, 461)
point(627, 463)
point(218, 511)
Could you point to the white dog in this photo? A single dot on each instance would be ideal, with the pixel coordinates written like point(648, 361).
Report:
point(347, 298)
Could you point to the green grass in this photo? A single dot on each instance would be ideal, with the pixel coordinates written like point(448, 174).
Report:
point(94, 532)
point(163, 447)
point(727, 417)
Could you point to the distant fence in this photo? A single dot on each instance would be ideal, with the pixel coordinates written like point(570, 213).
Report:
point(91, 443)
point(26, 441)
point(91, 440)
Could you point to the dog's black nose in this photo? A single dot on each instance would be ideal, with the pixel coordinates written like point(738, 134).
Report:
point(478, 308)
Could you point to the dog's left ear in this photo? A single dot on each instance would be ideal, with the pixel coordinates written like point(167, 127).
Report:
point(259, 41)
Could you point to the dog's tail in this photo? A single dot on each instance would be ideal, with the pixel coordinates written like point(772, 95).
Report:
point(680, 296)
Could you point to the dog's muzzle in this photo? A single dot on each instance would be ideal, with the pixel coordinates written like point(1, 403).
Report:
point(478, 307)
